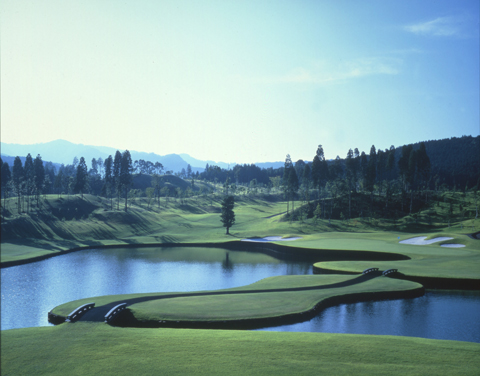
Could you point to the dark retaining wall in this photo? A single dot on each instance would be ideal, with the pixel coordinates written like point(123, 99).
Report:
point(271, 249)
point(427, 282)
point(126, 318)
point(442, 283)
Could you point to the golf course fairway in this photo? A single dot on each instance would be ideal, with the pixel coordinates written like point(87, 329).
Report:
point(99, 349)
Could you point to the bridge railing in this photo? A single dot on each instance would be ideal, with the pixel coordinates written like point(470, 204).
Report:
point(390, 271)
point(77, 312)
point(114, 312)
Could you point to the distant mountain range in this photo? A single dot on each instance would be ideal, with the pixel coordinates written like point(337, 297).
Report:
point(63, 152)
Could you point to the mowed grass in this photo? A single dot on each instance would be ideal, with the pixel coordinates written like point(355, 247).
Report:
point(65, 223)
point(69, 222)
point(249, 305)
point(90, 348)
point(426, 260)
point(99, 349)
point(259, 305)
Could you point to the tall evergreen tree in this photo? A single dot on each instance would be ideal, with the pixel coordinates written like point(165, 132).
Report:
point(316, 168)
point(320, 173)
point(423, 164)
point(117, 163)
point(403, 165)
point(364, 169)
point(299, 167)
point(29, 178)
point(39, 176)
point(18, 178)
point(356, 168)
point(286, 170)
point(292, 184)
point(350, 170)
point(126, 170)
point(6, 176)
point(109, 180)
point(81, 177)
point(228, 215)
point(58, 184)
point(306, 178)
point(390, 162)
point(371, 170)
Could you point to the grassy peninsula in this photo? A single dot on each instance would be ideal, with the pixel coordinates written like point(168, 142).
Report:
point(61, 224)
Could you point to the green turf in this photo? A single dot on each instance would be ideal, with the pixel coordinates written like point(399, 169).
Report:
point(98, 349)
point(88, 348)
point(259, 305)
point(68, 222)
point(249, 305)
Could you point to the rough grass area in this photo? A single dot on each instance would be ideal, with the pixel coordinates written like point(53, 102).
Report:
point(99, 349)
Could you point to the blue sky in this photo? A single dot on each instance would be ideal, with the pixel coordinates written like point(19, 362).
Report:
point(239, 81)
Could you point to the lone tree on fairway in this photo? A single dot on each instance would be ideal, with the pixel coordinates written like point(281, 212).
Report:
point(228, 215)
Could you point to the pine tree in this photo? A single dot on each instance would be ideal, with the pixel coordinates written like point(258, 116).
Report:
point(18, 177)
point(81, 177)
point(39, 176)
point(292, 186)
point(6, 176)
point(29, 176)
point(318, 212)
point(117, 163)
point(228, 215)
point(126, 178)
point(109, 182)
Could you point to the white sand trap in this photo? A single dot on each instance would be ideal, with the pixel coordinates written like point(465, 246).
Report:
point(420, 240)
point(452, 245)
point(270, 239)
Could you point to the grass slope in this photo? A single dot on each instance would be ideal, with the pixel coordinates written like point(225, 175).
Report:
point(59, 224)
point(86, 349)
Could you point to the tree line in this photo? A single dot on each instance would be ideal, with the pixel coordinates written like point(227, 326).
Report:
point(400, 172)
point(110, 177)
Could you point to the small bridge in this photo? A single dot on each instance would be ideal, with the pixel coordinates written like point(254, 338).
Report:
point(114, 312)
point(77, 312)
point(390, 271)
point(370, 270)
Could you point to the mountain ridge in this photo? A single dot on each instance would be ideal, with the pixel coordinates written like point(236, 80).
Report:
point(63, 152)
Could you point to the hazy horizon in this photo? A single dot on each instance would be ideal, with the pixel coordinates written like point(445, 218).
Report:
point(239, 81)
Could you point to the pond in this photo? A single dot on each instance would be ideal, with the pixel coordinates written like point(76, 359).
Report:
point(30, 291)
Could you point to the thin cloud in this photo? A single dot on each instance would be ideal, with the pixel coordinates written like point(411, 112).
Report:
point(439, 27)
point(324, 73)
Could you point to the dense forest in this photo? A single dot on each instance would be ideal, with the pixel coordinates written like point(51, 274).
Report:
point(403, 176)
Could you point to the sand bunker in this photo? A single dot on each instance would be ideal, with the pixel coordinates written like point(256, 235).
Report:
point(270, 239)
point(420, 240)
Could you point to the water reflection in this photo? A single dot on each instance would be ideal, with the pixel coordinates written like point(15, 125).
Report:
point(30, 291)
point(438, 315)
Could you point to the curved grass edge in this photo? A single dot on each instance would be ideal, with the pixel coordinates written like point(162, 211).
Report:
point(269, 249)
point(127, 319)
point(441, 283)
